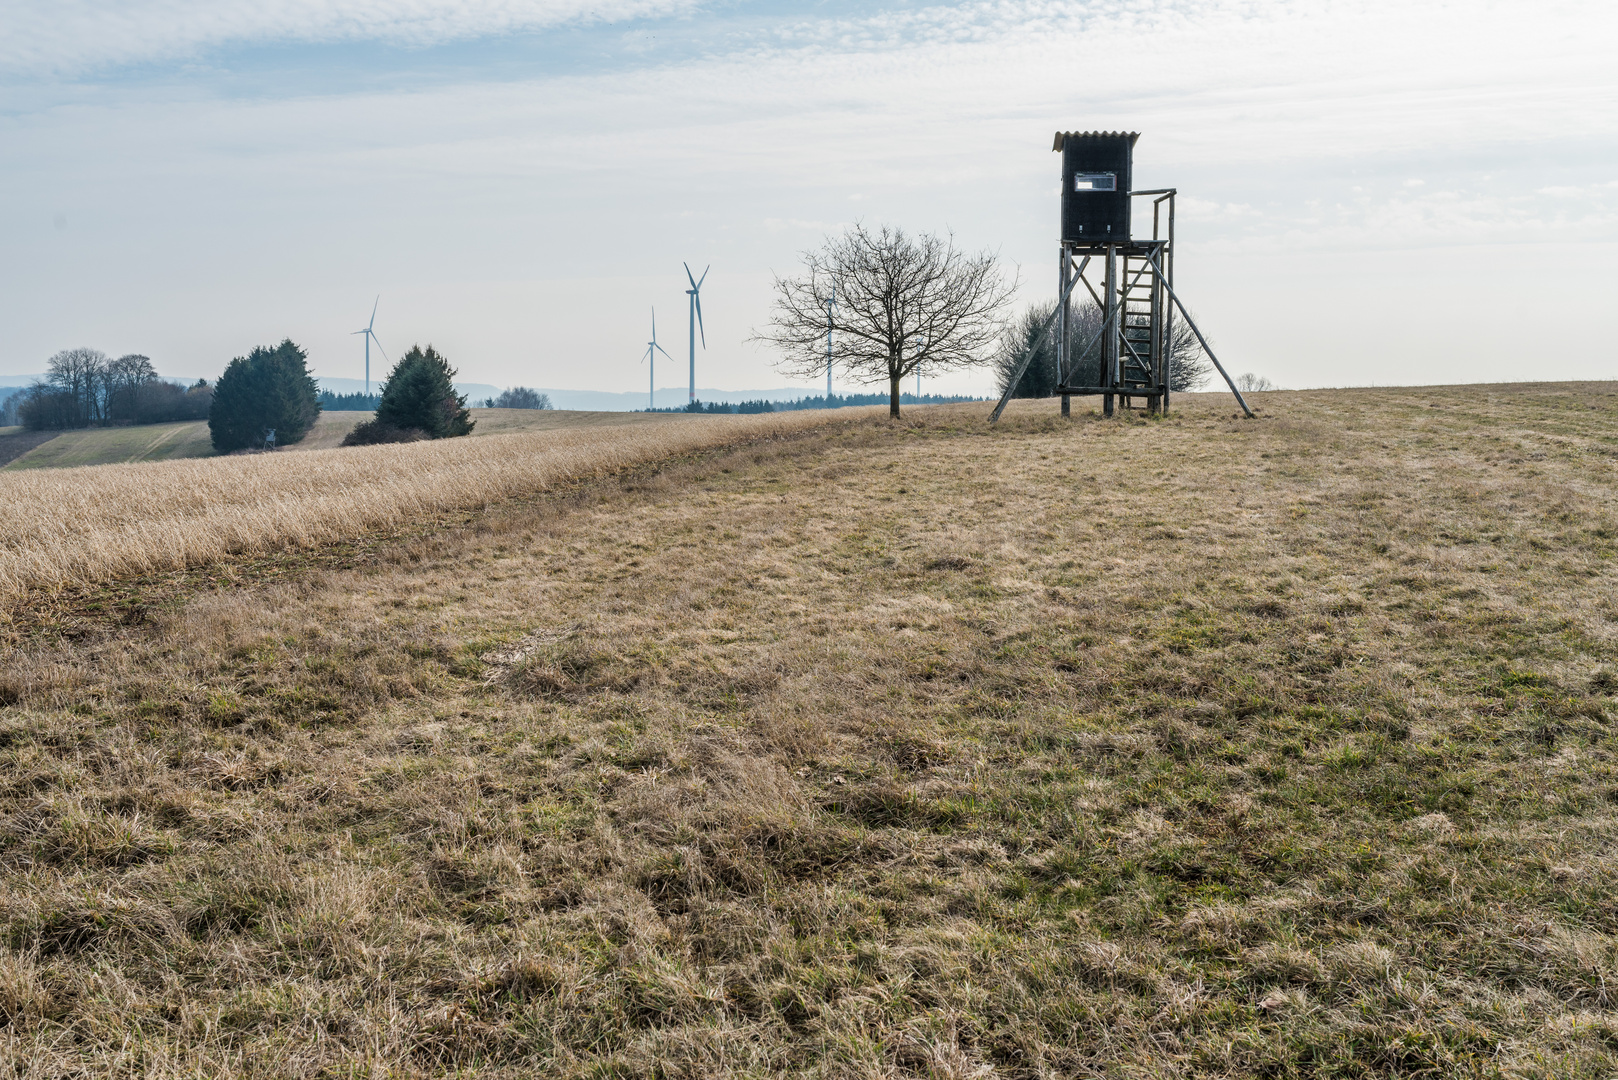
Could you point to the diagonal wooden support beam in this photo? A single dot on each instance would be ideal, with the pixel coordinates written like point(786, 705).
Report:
point(1045, 332)
point(1192, 323)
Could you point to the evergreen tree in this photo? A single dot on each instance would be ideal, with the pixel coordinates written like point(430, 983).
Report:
point(420, 395)
point(268, 389)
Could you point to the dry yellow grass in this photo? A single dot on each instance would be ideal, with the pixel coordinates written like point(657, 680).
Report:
point(87, 524)
point(1191, 748)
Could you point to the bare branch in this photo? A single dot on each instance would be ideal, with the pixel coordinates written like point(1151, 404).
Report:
point(902, 303)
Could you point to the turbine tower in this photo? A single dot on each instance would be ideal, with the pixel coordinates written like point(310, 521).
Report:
point(695, 293)
point(652, 349)
point(370, 336)
point(831, 302)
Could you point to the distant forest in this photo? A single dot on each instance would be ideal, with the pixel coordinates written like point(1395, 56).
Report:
point(835, 401)
point(356, 402)
point(86, 388)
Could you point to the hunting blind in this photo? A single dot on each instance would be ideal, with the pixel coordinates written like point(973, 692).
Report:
point(1134, 286)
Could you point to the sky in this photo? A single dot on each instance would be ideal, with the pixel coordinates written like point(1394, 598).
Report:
point(1371, 191)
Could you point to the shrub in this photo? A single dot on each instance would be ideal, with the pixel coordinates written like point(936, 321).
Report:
point(518, 397)
point(376, 431)
point(159, 402)
point(420, 394)
point(42, 407)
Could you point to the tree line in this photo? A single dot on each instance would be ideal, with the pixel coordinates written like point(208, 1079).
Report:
point(713, 407)
point(263, 400)
point(86, 388)
point(834, 401)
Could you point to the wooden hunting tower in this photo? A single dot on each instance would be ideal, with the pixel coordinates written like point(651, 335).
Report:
point(1095, 184)
point(1135, 286)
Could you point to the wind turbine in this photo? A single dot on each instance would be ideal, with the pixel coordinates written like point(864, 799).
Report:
point(695, 293)
point(652, 349)
point(831, 302)
point(370, 336)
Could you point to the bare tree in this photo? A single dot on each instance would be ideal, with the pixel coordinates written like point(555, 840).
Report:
point(1041, 378)
point(518, 397)
point(1251, 383)
point(80, 375)
point(124, 377)
point(885, 305)
point(1188, 364)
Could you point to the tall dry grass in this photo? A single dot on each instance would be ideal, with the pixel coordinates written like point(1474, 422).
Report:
point(89, 524)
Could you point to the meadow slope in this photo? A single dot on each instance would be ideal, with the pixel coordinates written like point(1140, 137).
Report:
point(190, 439)
point(1192, 747)
point(77, 525)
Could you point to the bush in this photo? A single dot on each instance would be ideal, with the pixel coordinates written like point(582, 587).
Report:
point(518, 397)
point(43, 407)
point(159, 402)
point(373, 432)
point(267, 390)
point(420, 394)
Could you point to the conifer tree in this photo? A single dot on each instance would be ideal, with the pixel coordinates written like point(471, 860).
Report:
point(266, 390)
point(420, 395)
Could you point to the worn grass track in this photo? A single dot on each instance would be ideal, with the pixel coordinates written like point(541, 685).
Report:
point(1198, 747)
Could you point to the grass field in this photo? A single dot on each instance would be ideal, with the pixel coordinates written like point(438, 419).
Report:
point(1192, 747)
point(78, 525)
point(169, 442)
point(100, 446)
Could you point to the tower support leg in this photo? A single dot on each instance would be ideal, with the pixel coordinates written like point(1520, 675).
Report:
point(1064, 270)
point(1109, 338)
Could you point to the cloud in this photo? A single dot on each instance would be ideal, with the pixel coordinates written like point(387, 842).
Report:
point(71, 36)
point(1288, 127)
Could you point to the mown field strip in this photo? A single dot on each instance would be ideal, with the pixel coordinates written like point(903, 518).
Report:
point(75, 525)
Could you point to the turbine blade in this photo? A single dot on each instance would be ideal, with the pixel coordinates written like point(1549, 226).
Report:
point(698, 297)
point(688, 276)
point(662, 350)
point(704, 276)
point(374, 303)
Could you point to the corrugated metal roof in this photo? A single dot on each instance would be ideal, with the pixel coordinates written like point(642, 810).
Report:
point(1063, 136)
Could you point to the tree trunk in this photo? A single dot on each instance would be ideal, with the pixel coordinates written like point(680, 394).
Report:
point(893, 396)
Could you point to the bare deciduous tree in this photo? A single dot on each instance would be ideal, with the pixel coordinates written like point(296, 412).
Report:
point(1189, 367)
point(1041, 377)
point(518, 397)
point(901, 304)
point(80, 375)
point(124, 379)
